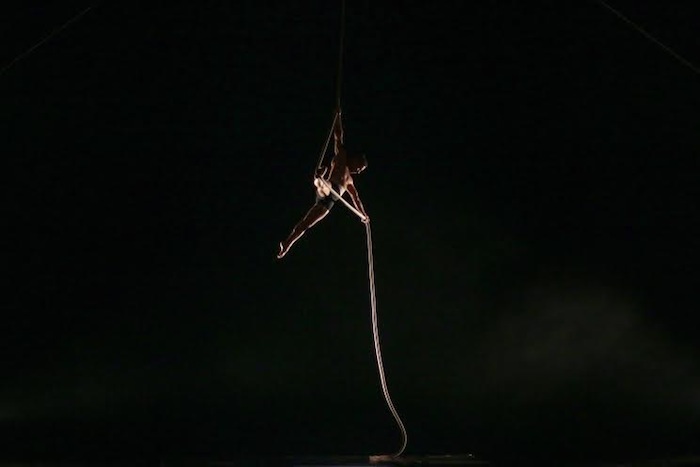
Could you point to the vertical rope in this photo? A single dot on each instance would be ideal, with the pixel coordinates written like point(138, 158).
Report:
point(377, 347)
point(338, 82)
point(370, 256)
point(340, 53)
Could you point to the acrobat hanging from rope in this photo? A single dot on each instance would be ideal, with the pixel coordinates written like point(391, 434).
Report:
point(331, 183)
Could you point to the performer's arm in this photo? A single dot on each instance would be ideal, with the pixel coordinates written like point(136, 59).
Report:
point(355, 198)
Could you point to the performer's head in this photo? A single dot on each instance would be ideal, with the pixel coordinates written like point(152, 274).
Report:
point(357, 163)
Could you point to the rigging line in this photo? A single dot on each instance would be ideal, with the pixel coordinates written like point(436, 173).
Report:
point(650, 37)
point(340, 53)
point(377, 347)
point(47, 38)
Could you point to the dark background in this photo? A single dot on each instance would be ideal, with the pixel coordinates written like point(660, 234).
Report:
point(532, 185)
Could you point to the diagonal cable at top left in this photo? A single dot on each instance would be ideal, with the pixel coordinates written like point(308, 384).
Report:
point(47, 38)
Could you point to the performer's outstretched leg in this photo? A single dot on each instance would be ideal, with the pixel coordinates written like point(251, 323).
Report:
point(315, 214)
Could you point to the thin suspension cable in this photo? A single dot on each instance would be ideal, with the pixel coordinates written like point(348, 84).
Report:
point(46, 39)
point(377, 347)
point(340, 53)
point(642, 31)
point(338, 82)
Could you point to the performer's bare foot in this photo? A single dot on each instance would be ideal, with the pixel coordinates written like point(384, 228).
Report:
point(283, 250)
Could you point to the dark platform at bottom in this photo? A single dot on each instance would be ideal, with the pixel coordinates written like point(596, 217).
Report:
point(454, 460)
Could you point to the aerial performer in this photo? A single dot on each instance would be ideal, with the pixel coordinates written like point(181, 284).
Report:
point(331, 182)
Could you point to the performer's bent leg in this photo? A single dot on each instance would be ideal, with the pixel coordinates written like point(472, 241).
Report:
point(315, 214)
